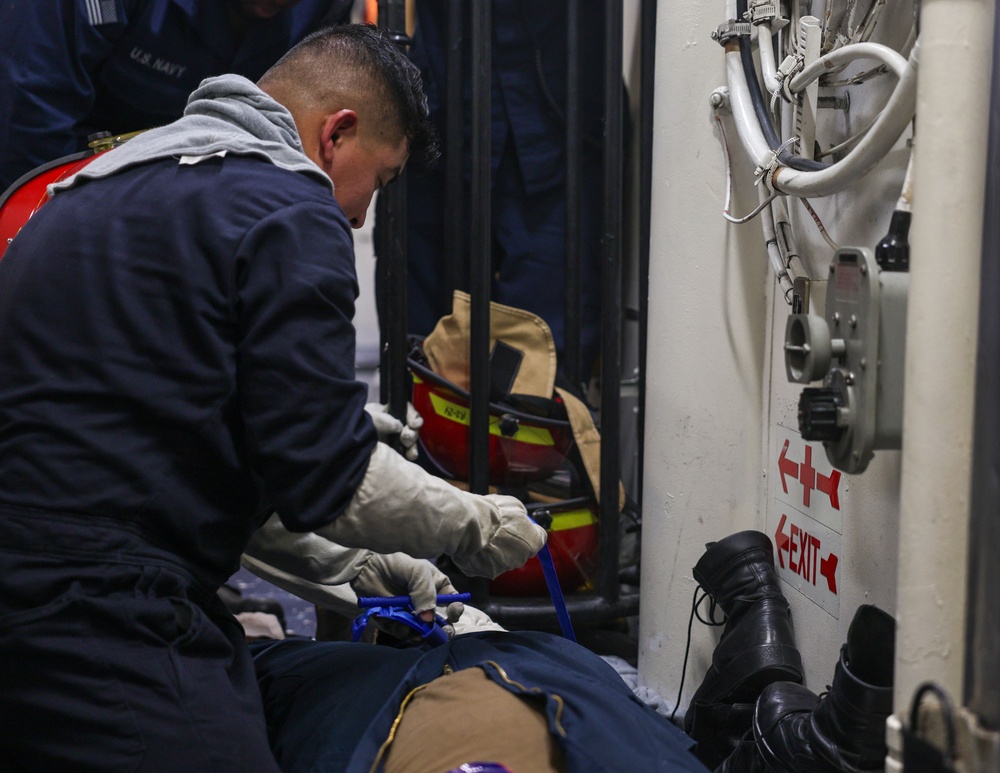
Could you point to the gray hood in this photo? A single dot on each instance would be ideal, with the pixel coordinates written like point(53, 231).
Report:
point(225, 114)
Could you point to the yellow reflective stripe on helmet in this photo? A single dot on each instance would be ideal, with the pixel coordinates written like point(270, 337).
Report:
point(537, 436)
point(572, 519)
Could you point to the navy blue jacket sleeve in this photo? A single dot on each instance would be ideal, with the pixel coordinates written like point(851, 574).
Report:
point(49, 55)
point(309, 435)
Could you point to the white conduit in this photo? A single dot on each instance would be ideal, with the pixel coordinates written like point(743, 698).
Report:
point(773, 252)
point(749, 131)
point(786, 240)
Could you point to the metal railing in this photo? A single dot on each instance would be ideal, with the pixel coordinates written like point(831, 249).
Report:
point(605, 599)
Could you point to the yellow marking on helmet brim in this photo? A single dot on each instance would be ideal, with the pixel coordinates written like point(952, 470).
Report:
point(446, 409)
point(572, 519)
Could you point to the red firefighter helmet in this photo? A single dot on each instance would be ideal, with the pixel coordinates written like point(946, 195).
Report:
point(24, 198)
point(523, 447)
point(574, 545)
point(27, 194)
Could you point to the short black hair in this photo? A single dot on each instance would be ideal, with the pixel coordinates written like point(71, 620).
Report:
point(368, 64)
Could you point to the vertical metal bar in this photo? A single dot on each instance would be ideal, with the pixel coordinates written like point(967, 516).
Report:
point(982, 642)
point(647, 68)
point(611, 305)
point(571, 329)
point(454, 130)
point(394, 382)
point(480, 252)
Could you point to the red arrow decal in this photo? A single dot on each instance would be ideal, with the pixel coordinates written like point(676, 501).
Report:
point(829, 487)
point(828, 568)
point(786, 467)
point(780, 538)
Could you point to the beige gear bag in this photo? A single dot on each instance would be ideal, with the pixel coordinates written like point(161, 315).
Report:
point(447, 352)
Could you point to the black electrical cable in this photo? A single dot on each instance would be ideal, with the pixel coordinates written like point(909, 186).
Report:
point(762, 110)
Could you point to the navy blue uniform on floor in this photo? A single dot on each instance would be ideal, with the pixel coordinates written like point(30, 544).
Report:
point(528, 165)
point(176, 361)
point(69, 68)
point(331, 705)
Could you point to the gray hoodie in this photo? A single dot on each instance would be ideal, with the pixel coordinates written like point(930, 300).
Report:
point(225, 114)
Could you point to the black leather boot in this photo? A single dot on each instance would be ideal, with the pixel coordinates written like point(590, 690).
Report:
point(719, 728)
point(744, 758)
point(796, 731)
point(757, 646)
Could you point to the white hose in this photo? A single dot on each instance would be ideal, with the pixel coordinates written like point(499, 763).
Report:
point(747, 127)
point(845, 55)
point(768, 65)
point(871, 149)
point(731, 9)
point(868, 151)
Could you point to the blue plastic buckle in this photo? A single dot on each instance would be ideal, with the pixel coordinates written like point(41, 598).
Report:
point(398, 610)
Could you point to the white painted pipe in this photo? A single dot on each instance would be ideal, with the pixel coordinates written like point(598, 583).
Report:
point(949, 160)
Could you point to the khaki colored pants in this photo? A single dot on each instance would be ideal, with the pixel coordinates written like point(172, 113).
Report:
point(467, 717)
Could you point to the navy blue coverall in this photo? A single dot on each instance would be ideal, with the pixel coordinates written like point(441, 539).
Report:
point(176, 361)
point(528, 164)
point(69, 68)
point(330, 705)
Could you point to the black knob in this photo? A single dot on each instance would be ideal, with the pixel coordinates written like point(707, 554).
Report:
point(818, 413)
point(508, 425)
point(542, 517)
point(893, 252)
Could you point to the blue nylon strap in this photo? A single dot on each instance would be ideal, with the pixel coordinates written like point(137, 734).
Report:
point(555, 590)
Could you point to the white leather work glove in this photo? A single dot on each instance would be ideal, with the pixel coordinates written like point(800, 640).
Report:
point(388, 426)
point(398, 574)
point(474, 619)
point(318, 570)
point(399, 507)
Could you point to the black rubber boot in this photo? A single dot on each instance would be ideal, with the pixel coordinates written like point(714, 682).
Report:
point(757, 646)
point(796, 731)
